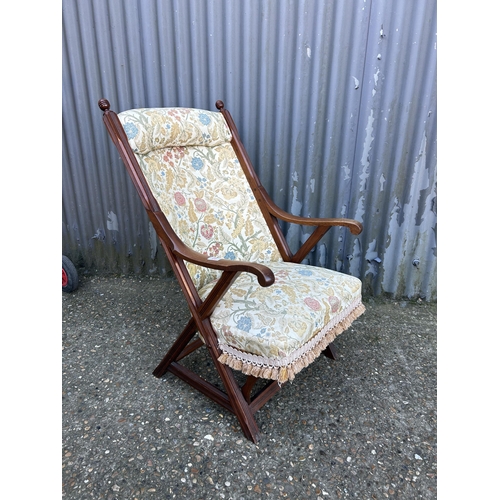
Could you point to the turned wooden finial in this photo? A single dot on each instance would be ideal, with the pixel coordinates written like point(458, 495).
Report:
point(104, 104)
point(219, 105)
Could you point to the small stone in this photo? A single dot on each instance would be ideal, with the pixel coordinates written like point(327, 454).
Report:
point(418, 457)
point(115, 487)
point(209, 437)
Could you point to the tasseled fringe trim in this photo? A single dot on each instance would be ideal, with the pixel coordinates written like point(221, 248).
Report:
point(285, 370)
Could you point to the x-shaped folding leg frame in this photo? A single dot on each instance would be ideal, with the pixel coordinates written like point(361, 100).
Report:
point(236, 399)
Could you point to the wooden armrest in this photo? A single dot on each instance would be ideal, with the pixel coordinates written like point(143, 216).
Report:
point(322, 226)
point(354, 226)
point(264, 275)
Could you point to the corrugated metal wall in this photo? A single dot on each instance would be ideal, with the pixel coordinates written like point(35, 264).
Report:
point(335, 102)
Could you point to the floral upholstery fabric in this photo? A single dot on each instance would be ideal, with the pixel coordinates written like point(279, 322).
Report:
point(201, 189)
point(158, 128)
point(195, 176)
point(280, 324)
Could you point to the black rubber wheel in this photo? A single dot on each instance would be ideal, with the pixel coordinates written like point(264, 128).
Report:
point(69, 275)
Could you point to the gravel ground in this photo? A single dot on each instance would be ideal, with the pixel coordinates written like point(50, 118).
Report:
point(363, 426)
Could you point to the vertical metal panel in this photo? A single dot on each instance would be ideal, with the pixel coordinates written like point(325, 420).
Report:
point(395, 156)
point(335, 102)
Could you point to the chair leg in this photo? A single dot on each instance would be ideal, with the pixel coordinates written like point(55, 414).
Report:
point(240, 406)
point(177, 347)
point(330, 351)
point(238, 402)
point(247, 387)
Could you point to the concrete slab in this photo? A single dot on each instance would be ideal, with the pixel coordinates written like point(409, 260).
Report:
point(363, 426)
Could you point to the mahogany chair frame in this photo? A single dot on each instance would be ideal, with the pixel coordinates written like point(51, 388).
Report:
point(237, 399)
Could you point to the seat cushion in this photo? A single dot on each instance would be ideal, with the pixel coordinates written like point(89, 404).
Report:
point(273, 332)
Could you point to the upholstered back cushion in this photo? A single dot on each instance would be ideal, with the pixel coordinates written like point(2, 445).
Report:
point(194, 174)
point(158, 128)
